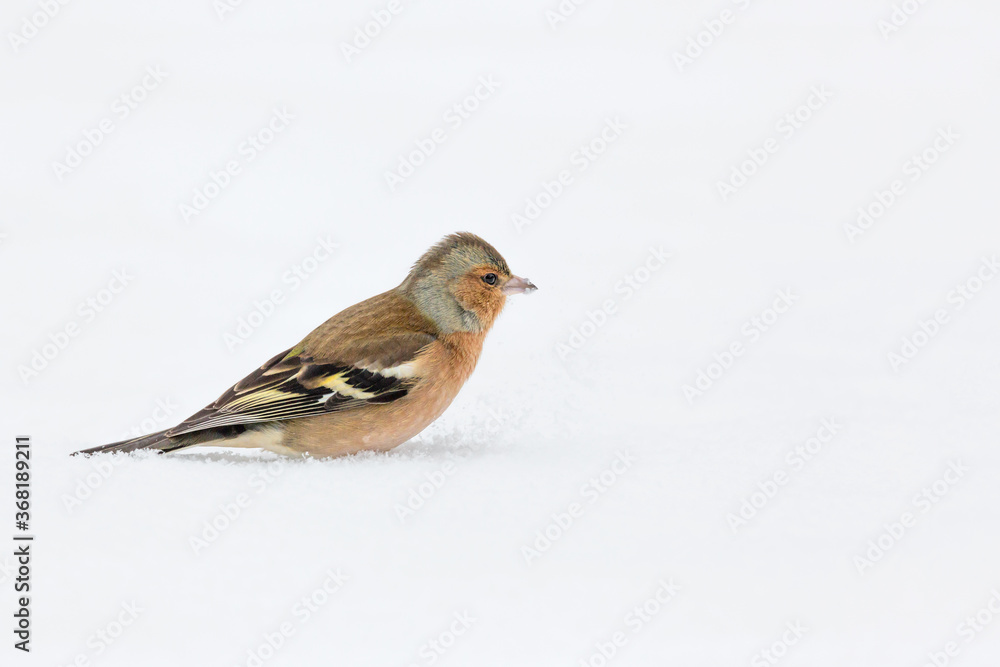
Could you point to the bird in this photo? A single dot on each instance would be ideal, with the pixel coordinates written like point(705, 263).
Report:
point(369, 378)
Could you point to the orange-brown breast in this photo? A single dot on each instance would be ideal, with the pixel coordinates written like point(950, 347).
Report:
point(444, 366)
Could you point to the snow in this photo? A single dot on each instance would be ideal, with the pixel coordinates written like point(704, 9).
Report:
point(310, 225)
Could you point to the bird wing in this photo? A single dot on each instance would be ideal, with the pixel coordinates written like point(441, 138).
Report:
point(296, 384)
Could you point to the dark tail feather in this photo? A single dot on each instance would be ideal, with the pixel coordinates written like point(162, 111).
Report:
point(159, 442)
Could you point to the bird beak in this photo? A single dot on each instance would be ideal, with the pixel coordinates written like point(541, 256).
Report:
point(518, 285)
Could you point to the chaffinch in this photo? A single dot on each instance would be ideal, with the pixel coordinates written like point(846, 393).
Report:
point(372, 376)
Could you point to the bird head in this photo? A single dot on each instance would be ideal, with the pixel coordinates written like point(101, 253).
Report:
point(462, 284)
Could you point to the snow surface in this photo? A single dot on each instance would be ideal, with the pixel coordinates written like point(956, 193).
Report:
point(531, 428)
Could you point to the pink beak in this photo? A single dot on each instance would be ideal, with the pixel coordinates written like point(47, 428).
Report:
point(518, 285)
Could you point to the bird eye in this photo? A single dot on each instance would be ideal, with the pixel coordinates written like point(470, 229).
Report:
point(490, 279)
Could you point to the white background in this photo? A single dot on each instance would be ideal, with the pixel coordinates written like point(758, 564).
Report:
point(533, 425)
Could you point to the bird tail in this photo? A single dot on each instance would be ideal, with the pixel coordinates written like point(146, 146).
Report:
point(159, 442)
